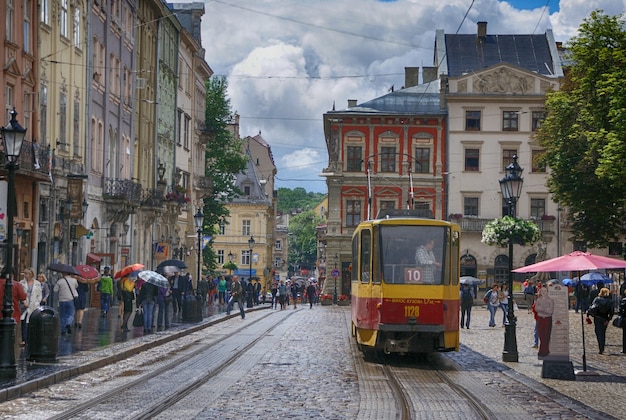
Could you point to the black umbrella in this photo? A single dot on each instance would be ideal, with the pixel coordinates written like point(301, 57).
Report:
point(63, 268)
point(171, 263)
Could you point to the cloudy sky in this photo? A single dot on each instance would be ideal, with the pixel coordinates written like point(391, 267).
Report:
point(288, 61)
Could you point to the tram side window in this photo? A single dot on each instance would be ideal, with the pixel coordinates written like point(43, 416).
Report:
point(366, 242)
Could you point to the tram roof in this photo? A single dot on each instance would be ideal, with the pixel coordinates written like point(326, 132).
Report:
point(405, 213)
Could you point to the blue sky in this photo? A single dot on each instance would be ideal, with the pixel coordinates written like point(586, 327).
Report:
point(288, 62)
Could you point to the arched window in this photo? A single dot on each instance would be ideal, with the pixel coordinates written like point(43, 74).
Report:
point(501, 269)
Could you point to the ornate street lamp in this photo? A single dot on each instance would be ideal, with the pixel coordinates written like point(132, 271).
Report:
point(12, 138)
point(250, 246)
point(198, 220)
point(230, 259)
point(335, 277)
point(84, 206)
point(511, 187)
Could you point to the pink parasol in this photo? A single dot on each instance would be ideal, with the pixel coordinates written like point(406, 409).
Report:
point(575, 261)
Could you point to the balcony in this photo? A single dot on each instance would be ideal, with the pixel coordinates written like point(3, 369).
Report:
point(474, 224)
point(152, 198)
point(123, 190)
point(33, 160)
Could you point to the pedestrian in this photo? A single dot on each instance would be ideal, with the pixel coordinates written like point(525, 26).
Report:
point(33, 298)
point(19, 295)
point(581, 292)
point(544, 306)
point(236, 296)
point(221, 290)
point(602, 314)
point(503, 297)
point(212, 284)
point(127, 287)
point(45, 288)
point(120, 298)
point(66, 289)
point(493, 303)
point(106, 291)
point(467, 301)
point(257, 291)
point(146, 300)
point(529, 294)
point(274, 291)
point(164, 299)
point(294, 294)
point(622, 314)
point(83, 292)
point(282, 294)
point(310, 293)
point(177, 303)
point(595, 290)
point(203, 288)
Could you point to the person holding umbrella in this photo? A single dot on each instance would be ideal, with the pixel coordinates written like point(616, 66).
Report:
point(146, 299)
point(128, 295)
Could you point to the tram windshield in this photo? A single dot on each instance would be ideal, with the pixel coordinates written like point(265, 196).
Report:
point(413, 254)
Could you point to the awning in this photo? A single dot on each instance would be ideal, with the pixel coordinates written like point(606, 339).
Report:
point(93, 258)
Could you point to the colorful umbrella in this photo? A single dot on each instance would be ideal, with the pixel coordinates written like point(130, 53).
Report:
point(174, 263)
point(470, 280)
point(127, 270)
point(592, 278)
point(88, 273)
point(63, 268)
point(153, 277)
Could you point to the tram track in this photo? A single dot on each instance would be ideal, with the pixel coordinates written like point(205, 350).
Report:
point(185, 369)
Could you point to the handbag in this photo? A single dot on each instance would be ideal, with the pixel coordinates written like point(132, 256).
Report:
point(138, 319)
point(75, 298)
point(593, 310)
point(618, 322)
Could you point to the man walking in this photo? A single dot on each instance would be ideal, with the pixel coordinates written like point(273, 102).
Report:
point(236, 295)
point(310, 293)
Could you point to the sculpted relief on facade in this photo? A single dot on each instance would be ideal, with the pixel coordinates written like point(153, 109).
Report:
point(503, 80)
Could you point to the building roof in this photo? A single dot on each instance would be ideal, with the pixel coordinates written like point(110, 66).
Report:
point(422, 99)
point(467, 53)
point(249, 178)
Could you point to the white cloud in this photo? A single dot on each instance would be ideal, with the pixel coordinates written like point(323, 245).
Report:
point(288, 61)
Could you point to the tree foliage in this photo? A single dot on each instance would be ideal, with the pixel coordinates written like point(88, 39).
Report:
point(584, 133)
point(303, 239)
point(224, 159)
point(297, 199)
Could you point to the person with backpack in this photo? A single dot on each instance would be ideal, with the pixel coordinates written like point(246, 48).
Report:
point(602, 311)
point(493, 303)
point(467, 301)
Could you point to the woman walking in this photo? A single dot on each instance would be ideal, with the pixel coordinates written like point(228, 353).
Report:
point(33, 300)
point(65, 289)
point(601, 316)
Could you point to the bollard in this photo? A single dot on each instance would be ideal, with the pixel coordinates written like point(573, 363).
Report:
point(190, 309)
point(43, 335)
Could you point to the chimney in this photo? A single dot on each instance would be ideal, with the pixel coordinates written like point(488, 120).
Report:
point(411, 76)
point(429, 74)
point(351, 103)
point(482, 30)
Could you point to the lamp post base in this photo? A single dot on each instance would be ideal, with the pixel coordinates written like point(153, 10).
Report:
point(510, 354)
point(8, 367)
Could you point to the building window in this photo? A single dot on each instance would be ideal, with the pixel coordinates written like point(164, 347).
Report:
point(510, 121)
point(501, 269)
point(388, 159)
point(537, 165)
point(537, 119)
point(353, 212)
point(27, 26)
point(76, 29)
point(387, 204)
point(421, 205)
point(422, 160)
point(537, 207)
point(355, 158)
point(220, 257)
point(472, 120)
point(245, 257)
point(64, 18)
point(278, 245)
point(246, 228)
point(222, 228)
point(615, 248)
point(470, 206)
point(43, 114)
point(472, 160)
point(76, 128)
point(186, 131)
point(507, 157)
point(63, 121)
point(277, 262)
point(580, 246)
point(10, 19)
point(45, 11)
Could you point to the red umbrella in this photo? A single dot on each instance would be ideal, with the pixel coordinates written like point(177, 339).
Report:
point(128, 269)
point(575, 261)
point(88, 273)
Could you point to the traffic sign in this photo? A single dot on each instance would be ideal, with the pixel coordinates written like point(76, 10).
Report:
point(335, 273)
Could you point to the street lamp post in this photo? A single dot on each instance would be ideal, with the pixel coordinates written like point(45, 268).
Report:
point(335, 277)
point(230, 260)
point(12, 137)
point(250, 246)
point(511, 187)
point(198, 220)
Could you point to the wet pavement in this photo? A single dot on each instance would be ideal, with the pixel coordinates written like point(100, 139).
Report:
point(97, 332)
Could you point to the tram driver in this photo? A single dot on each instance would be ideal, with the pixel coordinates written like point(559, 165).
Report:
point(425, 259)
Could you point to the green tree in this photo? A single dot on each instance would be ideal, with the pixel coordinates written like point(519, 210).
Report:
point(224, 159)
point(303, 239)
point(584, 132)
point(297, 199)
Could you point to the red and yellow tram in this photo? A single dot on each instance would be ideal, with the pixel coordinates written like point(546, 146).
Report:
point(405, 284)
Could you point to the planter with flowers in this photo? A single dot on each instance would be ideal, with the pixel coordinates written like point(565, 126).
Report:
point(500, 232)
point(343, 300)
point(178, 195)
point(326, 299)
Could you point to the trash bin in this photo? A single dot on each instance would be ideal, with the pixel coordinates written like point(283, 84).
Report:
point(190, 309)
point(43, 335)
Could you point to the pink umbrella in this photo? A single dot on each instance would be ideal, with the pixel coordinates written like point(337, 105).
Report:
point(575, 261)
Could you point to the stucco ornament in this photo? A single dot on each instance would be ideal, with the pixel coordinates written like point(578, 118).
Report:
point(500, 231)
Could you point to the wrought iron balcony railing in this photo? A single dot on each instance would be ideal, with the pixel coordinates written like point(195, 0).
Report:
point(122, 189)
point(152, 198)
point(474, 224)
